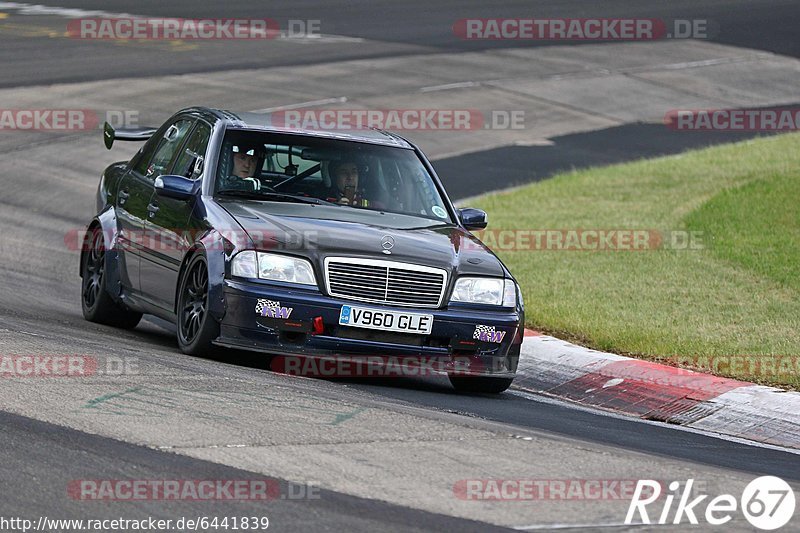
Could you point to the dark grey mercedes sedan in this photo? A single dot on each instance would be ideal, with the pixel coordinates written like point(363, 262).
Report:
point(298, 243)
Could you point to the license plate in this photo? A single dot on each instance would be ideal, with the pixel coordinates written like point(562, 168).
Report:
point(362, 317)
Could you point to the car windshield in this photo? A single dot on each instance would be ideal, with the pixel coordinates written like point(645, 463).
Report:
point(348, 174)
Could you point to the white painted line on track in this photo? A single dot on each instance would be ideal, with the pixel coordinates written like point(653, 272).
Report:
point(696, 64)
point(321, 38)
point(447, 86)
point(27, 333)
point(310, 103)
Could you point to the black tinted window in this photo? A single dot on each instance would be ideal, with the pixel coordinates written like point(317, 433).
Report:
point(168, 145)
point(190, 162)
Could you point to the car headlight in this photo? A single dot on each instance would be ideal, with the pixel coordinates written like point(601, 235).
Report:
point(244, 265)
point(275, 267)
point(489, 291)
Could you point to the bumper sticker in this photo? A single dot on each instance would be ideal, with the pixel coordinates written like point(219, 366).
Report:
point(488, 334)
point(271, 309)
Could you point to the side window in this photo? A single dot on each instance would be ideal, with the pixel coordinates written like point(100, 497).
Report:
point(167, 147)
point(190, 161)
point(146, 154)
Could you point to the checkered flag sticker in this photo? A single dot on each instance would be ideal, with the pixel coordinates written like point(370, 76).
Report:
point(482, 331)
point(265, 304)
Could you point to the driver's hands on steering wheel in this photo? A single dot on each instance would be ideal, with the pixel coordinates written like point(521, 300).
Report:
point(256, 183)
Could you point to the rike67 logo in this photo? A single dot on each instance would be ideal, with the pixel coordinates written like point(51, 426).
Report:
point(767, 503)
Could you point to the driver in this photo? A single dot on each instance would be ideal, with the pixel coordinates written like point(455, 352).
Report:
point(246, 158)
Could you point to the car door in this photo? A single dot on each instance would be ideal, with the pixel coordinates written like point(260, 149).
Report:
point(133, 195)
point(168, 223)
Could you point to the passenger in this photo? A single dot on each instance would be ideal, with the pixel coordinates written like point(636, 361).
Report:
point(345, 190)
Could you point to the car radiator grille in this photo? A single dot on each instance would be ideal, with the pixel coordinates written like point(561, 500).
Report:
point(385, 282)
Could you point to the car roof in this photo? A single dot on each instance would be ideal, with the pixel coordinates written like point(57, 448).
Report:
point(261, 122)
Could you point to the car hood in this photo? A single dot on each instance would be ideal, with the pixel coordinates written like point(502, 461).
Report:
point(317, 232)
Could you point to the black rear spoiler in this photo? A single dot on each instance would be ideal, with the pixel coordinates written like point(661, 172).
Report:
point(125, 134)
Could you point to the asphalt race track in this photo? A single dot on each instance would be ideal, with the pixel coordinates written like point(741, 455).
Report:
point(392, 28)
point(379, 454)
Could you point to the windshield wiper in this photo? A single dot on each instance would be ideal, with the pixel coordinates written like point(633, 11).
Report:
point(239, 192)
point(296, 198)
point(274, 196)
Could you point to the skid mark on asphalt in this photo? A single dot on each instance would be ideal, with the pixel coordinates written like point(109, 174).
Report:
point(171, 45)
point(160, 403)
point(29, 30)
point(33, 30)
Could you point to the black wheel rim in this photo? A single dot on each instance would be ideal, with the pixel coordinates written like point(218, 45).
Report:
point(195, 291)
point(95, 267)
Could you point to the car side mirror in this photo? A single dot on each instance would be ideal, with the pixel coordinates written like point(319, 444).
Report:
point(177, 187)
point(473, 218)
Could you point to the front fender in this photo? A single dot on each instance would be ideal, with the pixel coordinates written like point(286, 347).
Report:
point(216, 249)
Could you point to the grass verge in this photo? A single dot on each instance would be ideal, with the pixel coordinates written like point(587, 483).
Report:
point(729, 303)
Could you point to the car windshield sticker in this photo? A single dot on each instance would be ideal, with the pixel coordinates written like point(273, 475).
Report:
point(439, 211)
point(488, 334)
point(270, 309)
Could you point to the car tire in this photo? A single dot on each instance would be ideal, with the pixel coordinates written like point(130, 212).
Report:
point(96, 303)
point(196, 328)
point(480, 384)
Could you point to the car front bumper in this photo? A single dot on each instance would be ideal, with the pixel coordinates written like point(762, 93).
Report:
point(455, 343)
